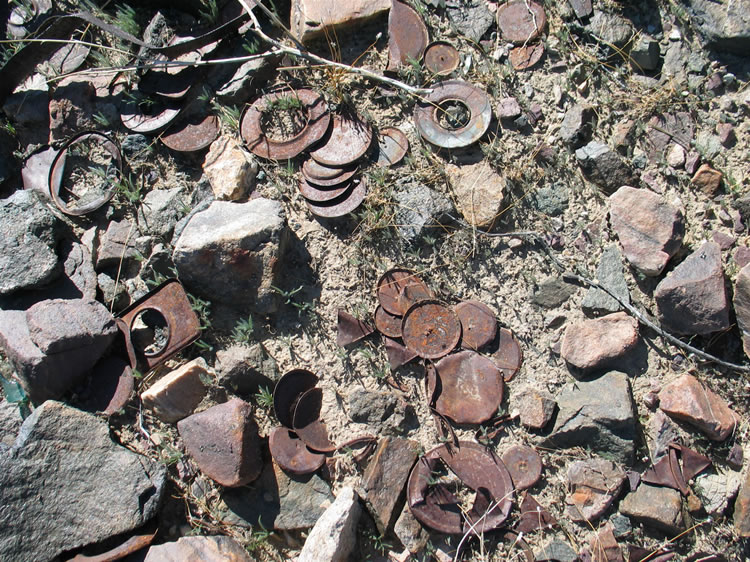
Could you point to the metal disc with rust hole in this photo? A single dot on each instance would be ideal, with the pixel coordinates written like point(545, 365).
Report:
point(407, 35)
point(477, 468)
point(307, 422)
point(520, 21)
point(193, 134)
point(136, 121)
point(478, 324)
point(431, 329)
point(509, 355)
point(392, 290)
point(398, 354)
point(325, 176)
point(525, 57)
point(441, 58)
point(428, 114)
point(466, 387)
point(346, 142)
point(524, 465)
point(320, 195)
point(317, 122)
point(392, 146)
point(342, 205)
point(291, 453)
point(387, 324)
point(287, 392)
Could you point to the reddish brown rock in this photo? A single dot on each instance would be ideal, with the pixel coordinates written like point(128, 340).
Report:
point(176, 394)
point(741, 256)
point(686, 399)
point(207, 549)
point(650, 229)
point(535, 407)
point(742, 509)
point(310, 18)
point(598, 343)
point(224, 443)
point(593, 484)
point(707, 180)
point(742, 305)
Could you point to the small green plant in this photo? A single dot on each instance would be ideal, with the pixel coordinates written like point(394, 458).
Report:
point(168, 455)
point(284, 103)
point(251, 45)
point(128, 188)
point(209, 12)
point(380, 543)
point(203, 309)
point(126, 19)
point(229, 115)
point(258, 538)
point(288, 296)
point(264, 397)
point(243, 330)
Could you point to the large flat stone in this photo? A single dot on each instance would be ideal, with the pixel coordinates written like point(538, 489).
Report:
point(65, 484)
point(599, 343)
point(310, 18)
point(206, 549)
point(725, 25)
point(594, 484)
point(176, 395)
point(656, 507)
point(741, 304)
point(479, 192)
point(334, 536)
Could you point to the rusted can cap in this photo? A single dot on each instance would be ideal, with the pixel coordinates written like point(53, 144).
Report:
point(193, 134)
point(522, 58)
point(344, 204)
point(399, 288)
point(520, 21)
point(478, 324)
point(307, 422)
point(387, 324)
point(291, 453)
point(347, 141)
point(392, 146)
point(524, 465)
point(287, 393)
point(431, 329)
point(407, 35)
point(441, 58)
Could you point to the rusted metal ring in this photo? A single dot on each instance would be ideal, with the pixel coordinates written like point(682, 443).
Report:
point(427, 115)
point(137, 122)
point(318, 195)
point(287, 392)
point(441, 58)
point(193, 134)
point(317, 117)
point(342, 205)
point(324, 176)
point(431, 329)
point(291, 453)
point(392, 146)
point(478, 468)
point(522, 58)
point(399, 288)
point(57, 168)
point(347, 141)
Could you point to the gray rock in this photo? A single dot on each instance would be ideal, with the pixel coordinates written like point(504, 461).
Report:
point(741, 303)
point(577, 125)
point(112, 292)
point(675, 62)
point(136, 148)
point(278, 501)
point(644, 54)
point(656, 507)
point(410, 531)
point(29, 233)
point(118, 244)
point(552, 292)
point(71, 109)
point(246, 81)
point(334, 536)
point(551, 200)
point(159, 263)
point(233, 252)
point(604, 167)
point(10, 423)
point(593, 484)
point(598, 415)
point(556, 551)
point(725, 25)
point(581, 8)
point(661, 431)
point(160, 211)
point(419, 209)
point(610, 28)
point(245, 369)
point(472, 19)
point(206, 549)
point(79, 276)
point(621, 526)
point(717, 489)
point(610, 274)
point(691, 299)
point(76, 334)
point(65, 484)
point(370, 406)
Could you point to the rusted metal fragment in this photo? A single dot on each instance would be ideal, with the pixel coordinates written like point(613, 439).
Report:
point(57, 170)
point(392, 146)
point(398, 289)
point(287, 392)
point(517, 542)
point(192, 134)
point(522, 58)
point(533, 516)
point(407, 35)
point(168, 84)
point(317, 122)
point(133, 544)
point(307, 423)
point(476, 468)
point(428, 114)
point(478, 324)
point(667, 472)
point(520, 21)
point(344, 204)
point(693, 463)
point(441, 58)
point(604, 547)
point(524, 465)
point(171, 302)
point(466, 387)
point(509, 355)
point(158, 118)
point(321, 195)
point(319, 176)
point(387, 324)
point(346, 142)
point(640, 554)
point(291, 453)
point(112, 385)
point(351, 329)
point(398, 354)
point(431, 329)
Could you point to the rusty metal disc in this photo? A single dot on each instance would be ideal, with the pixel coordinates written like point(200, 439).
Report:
point(291, 453)
point(441, 58)
point(387, 324)
point(319, 195)
point(478, 469)
point(326, 176)
point(519, 23)
point(478, 324)
point(392, 146)
point(431, 329)
point(466, 387)
point(525, 57)
point(136, 121)
point(345, 175)
point(317, 122)
point(398, 289)
point(346, 142)
point(427, 115)
point(407, 35)
point(524, 465)
point(342, 205)
point(509, 355)
point(307, 422)
point(193, 134)
point(287, 392)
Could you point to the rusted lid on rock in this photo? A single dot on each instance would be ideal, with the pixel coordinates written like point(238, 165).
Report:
point(398, 354)
point(407, 35)
point(431, 329)
point(478, 324)
point(522, 58)
point(287, 392)
point(399, 288)
point(192, 134)
point(524, 465)
point(307, 422)
point(466, 387)
point(344, 204)
point(520, 21)
point(478, 469)
point(291, 453)
point(322, 195)
point(324, 176)
point(347, 141)
point(509, 355)
point(351, 329)
point(392, 146)
point(441, 58)
point(387, 324)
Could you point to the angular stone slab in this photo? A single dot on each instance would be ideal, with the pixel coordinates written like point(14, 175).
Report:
point(609, 274)
point(206, 549)
point(175, 395)
point(656, 507)
point(602, 342)
point(741, 303)
point(334, 536)
point(594, 484)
